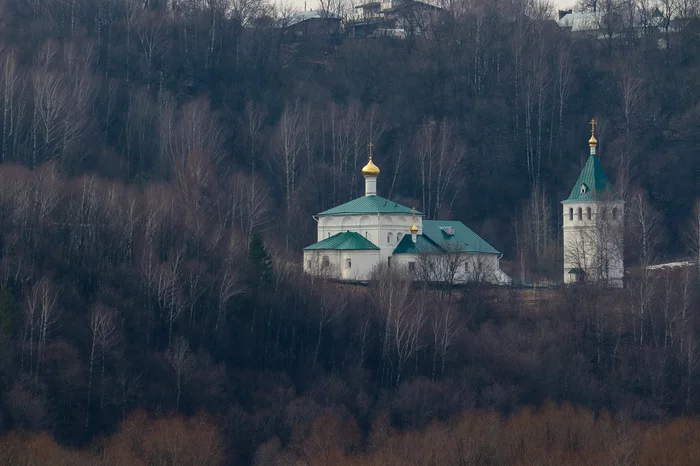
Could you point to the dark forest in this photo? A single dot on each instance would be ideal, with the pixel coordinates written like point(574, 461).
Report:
point(160, 165)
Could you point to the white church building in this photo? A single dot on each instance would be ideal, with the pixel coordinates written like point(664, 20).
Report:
point(357, 236)
point(593, 226)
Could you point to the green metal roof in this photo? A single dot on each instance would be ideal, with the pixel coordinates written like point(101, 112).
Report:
point(422, 245)
point(594, 179)
point(368, 205)
point(463, 239)
point(441, 236)
point(348, 240)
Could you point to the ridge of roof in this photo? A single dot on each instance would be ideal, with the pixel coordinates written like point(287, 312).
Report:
point(368, 205)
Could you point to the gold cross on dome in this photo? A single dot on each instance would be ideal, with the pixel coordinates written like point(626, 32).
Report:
point(593, 127)
point(370, 145)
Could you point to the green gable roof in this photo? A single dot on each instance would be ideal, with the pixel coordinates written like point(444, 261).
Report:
point(368, 205)
point(422, 245)
point(595, 180)
point(436, 238)
point(464, 239)
point(348, 240)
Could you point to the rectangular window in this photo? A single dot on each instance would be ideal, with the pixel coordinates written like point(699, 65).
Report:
point(412, 266)
point(349, 262)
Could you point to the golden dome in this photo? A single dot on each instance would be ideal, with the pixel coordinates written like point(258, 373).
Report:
point(370, 169)
point(414, 229)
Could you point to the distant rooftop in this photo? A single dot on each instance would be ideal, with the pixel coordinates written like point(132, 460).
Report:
point(301, 16)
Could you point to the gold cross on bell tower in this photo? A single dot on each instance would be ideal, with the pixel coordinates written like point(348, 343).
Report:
point(370, 145)
point(592, 142)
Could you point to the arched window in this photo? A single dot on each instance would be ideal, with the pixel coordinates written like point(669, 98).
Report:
point(308, 265)
point(614, 213)
point(348, 263)
point(580, 214)
point(588, 213)
point(389, 237)
point(325, 262)
point(571, 214)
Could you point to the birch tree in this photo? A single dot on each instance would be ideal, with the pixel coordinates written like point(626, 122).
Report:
point(103, 331)
point(290, 144)
point(182, 362)
point(439, 158)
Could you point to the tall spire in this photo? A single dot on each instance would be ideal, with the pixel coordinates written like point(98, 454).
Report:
point(592, 142)
point(370, 172)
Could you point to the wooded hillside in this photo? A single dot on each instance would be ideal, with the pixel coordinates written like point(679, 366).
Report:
point(161, 162)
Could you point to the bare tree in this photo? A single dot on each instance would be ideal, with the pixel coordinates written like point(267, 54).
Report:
point(41, 320)
point(229, 287)
point(50, 105)
point(331, 308)
point(439, 158)
point(537, 229)
point(693, 235)
point(403, 323)
point(290, 143)
point(445, 333)
point(645, 224)
point(12, 87)
point(152, 31)
point(103, 331)
point(182, 362)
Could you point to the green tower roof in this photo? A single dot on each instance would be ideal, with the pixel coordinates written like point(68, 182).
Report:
point(592, 183)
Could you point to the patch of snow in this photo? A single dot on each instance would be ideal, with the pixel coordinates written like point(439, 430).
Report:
point(670, 265)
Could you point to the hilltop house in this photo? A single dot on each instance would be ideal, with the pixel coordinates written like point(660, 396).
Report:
point(395, 18)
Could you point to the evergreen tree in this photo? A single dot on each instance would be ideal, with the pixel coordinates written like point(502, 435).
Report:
point(259, 259)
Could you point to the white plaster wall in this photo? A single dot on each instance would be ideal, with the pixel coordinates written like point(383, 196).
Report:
point(472, 267)
point(582, 238)
point(361, 264)
point(381, 229)
point(313, 263)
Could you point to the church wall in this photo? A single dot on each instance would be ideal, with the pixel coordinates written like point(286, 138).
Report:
point(383, 230)
point(336, 265)
point(593, 242)
point(466, 268)
point(362, 263)
point(322, 263)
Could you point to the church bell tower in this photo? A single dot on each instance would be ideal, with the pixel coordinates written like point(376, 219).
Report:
point(593, 222)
